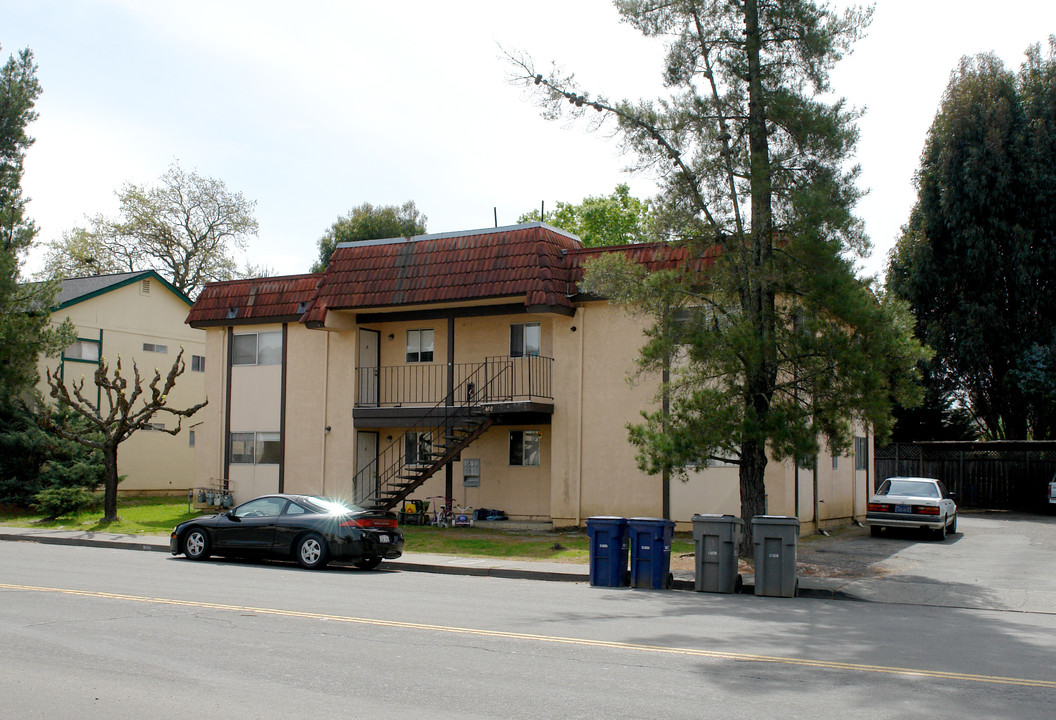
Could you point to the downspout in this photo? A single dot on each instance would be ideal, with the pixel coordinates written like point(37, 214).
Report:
point(282, 410)
point(449, 472)
point(579, 424)
point(225, 441)
point(326, 397)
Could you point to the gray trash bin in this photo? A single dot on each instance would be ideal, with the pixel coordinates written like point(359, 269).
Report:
point(716, 538)
point(775, 538)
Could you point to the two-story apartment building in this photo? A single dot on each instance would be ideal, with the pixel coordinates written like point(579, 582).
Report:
point(465, 365)
point(139, 317)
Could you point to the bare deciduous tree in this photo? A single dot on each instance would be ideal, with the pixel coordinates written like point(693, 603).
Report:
point(125, 414)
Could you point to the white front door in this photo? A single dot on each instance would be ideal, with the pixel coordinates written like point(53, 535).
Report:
point(366, 479)
point(368, 366)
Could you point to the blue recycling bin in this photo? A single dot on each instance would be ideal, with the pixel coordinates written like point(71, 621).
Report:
point(650, 540)
point(608, 550)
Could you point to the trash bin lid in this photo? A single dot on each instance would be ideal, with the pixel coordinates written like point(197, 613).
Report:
point(650, 521)
point(606, 520)
point(706, 517)
point(775, 520)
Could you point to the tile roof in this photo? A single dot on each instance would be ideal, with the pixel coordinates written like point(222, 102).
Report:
point(654, 256)
point(535, 262)
point(519, 260)
point(258, 300)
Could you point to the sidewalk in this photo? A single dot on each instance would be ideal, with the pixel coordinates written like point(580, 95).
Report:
point(908, 587)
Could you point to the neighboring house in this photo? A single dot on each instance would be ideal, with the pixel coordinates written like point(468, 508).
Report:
point(465, 365)
point(138, 316)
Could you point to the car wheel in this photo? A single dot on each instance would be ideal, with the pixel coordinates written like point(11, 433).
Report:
point(875, 530)
point(940, 533)
point(953, 525)
point(196, 544)
point(312, 552)
point(368, 563)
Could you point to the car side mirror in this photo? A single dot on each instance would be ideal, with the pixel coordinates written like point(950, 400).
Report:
point(953, 495)
point(230, 515)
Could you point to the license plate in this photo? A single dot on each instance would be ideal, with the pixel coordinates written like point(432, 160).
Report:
point(903, 509)
point(383, 539)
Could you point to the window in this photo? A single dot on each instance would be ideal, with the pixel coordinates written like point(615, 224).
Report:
point(87, 350)
point(256, 349)
point(524, 447)
point(419, 346)
point(261, 507)
point(835, 462)
point(197, 363)
point(861, 453)
point(190, 438)
point(524, 339)
point(416, 448)
point(154, 426)
point(260, 448)
point(153, 347)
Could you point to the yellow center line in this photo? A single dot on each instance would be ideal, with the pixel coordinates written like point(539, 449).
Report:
point(690, 652)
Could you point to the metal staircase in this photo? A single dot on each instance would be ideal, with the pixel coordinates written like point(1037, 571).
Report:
point(435, 439)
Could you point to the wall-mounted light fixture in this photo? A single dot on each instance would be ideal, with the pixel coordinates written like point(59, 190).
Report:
point(327, 429)
point(573, 328)
point(391, 336)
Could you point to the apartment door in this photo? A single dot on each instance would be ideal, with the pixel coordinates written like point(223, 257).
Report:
point(368, 366)
point(366, 480)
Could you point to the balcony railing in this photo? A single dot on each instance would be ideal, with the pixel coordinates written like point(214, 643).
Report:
point(496, 379)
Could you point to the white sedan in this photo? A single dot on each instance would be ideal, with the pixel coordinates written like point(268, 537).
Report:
point(912, 502)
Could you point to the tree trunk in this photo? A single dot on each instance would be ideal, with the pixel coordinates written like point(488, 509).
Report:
point(110, 479)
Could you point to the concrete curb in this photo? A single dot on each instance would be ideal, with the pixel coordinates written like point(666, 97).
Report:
point(515, 570)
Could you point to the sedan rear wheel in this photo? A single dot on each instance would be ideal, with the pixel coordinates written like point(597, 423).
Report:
point(368, 563)
point(940, 533)
point(953, 525)
point(312, 552)
point(196, 544)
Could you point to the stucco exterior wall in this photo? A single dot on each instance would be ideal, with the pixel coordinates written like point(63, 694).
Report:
point(125, 318)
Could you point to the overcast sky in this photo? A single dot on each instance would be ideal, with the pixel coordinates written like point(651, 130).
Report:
point(312, 108)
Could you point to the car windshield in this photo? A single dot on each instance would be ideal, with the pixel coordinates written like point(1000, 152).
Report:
point(332, 507)
point(913, 488)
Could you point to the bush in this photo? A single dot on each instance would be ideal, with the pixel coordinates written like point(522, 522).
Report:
point(32, 460)
point(57, 502)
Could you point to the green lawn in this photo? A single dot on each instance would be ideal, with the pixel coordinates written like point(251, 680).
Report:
point(137, 516)
point(157, 516)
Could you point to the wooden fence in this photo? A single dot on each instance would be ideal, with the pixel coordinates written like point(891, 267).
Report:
point(1004, 475)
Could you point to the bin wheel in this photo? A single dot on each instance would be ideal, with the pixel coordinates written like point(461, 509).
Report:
point(795, 589)
point(670, 581)
point(738, 586)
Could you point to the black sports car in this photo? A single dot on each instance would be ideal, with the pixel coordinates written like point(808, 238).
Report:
point(313, 530)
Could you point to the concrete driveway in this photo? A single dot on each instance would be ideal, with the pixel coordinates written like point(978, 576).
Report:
point(996, 561)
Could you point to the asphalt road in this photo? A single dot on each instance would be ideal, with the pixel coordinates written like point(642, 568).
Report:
point(101, 633)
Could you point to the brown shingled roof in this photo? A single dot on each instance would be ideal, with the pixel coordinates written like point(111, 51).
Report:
point(520, 260)
point(258, 300)
point(654, 256)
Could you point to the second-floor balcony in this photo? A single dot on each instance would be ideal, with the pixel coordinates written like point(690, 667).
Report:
point(491, 381)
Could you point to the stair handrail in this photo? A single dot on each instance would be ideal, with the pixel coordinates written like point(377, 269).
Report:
point(439, 415)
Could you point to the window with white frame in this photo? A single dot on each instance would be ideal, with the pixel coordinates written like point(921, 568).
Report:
point(87, 350)
point(420, 345)
point(255, 448)
point(524, 447)
point(154, 347)
point(197, 363)
point(835, 462)
point(416, 448)
point(525, 339)
point(264, 348)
